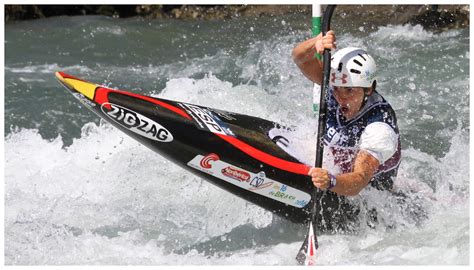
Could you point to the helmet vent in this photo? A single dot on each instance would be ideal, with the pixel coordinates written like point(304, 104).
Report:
point(362, 57)
point(339, 68)
point(357, 62)
point(355, 71)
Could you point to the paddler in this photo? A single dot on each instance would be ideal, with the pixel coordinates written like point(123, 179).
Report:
point(362, 142)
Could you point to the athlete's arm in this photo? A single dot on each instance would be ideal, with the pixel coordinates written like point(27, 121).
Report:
point(348, 184)
point(378, 143)
point(304, 55)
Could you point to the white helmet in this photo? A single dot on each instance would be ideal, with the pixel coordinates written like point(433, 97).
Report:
point(352, 67)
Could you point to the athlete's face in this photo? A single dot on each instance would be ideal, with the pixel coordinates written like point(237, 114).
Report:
point(350, 99)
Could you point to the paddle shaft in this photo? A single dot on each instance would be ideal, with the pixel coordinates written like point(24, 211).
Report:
point(324, 85)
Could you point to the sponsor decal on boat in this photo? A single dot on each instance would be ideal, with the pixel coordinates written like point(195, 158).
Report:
point(137, 123)
point(236, 174)
point(255, 182)
point(260, 181)
point(206, 161)
point(224, 114)
point(205, 119)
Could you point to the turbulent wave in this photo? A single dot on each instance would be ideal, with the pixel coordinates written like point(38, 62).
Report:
point(123, 197)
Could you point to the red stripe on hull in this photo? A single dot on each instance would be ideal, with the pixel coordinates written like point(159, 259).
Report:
point(266, 158)
point(101, 97)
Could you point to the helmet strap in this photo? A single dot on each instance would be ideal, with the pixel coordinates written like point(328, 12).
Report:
point(364, 100)
point(366, 94)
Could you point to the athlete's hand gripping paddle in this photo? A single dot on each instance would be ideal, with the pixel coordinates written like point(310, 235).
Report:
point(307, 251)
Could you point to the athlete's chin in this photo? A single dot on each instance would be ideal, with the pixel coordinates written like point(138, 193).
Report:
point(348, 115)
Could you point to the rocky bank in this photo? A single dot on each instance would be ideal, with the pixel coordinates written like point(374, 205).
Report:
point(437, 17)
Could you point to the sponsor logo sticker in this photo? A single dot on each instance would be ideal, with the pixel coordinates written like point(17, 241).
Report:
point(342, 78)
point(236, 174)
point(137, 123)
point(259, 181)
point(206, 161)
point(224, 114)
point(255, 182)
point(206, 120)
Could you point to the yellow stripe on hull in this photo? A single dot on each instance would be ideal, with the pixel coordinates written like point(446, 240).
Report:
point(85, 88)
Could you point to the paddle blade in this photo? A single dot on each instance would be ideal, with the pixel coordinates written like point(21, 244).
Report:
point(307, 252)
point(312, 246)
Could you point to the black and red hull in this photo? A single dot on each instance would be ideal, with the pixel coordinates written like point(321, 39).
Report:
point(232, 151)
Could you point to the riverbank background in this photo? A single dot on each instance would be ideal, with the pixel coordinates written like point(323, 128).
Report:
point(433, 17)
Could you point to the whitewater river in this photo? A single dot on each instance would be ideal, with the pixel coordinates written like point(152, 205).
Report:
point(78, 191)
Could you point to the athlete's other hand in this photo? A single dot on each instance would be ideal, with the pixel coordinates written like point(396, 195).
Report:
point(326, 42)
point(320, 178)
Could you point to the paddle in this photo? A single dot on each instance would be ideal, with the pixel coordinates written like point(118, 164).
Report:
point(307, 251)
point(316, 22)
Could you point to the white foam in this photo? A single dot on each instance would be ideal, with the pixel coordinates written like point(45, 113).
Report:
point(48, 69)
point(103, 184)
point(405, 32)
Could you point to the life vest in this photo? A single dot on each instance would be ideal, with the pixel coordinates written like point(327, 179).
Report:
point(342, 138)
